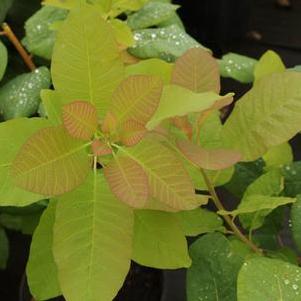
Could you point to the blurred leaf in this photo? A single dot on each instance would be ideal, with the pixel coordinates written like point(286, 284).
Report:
point(296, 221)
point(39, 38)
point(20, 97)
point(4, 7)
point(266, 279)
point(238, 67)
point(292, 178)
point(269, 63)
point(122, 33)
point(278, 155)
point(167, 43)
point(215, 265)
point(4, 249)
point(3, 59)
point(159, 241)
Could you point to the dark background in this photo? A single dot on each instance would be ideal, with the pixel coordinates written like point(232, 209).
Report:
point(223, 26)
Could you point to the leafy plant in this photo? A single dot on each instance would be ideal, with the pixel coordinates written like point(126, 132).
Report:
point(126, 154)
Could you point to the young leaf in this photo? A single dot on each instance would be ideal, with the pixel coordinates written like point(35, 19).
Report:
point(41, 269)
point(215, 265)
point(168, 180)
point(51, 162)
point(4, 249)
point(132, 132)
point(122, 33)
point(266, 279)
point(208, 159)
point(153, 13)
point(179, 101)
point(296, 221)
point(85, 38)
point(20, 97)
point(136, 98)
point(199, 221)
point(266, 116)
point(159, 241)
point(166, 43)
point(269, 63)
point(13, 135)
point(67, 4)
point(238, 67)
point(92, 241)
point(197, 71)
point(3, 59)
point(39, 38)
point(100, 149)
point(153, 67)
point(80, 119)
point(127, 181)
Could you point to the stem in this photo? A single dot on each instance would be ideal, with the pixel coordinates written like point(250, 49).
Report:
point(15, 41)
point(228, 218)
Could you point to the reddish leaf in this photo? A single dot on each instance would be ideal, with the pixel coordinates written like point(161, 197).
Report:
point(100, 149)
point(183, 124)
point(109, 124)
point(197, 70)
point(132, 132)
point(127, 181)
point(213, 159)
point(80, 119)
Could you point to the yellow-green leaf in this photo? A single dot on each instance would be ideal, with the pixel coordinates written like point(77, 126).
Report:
point(86, 64)
point(80, 119)
point(128, 181)
point(51, 162)
point(92, 241)
point(197, 71)
point(122, 33)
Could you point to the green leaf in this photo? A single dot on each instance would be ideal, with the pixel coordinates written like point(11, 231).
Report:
point(66, 4)
point(4, 7)
point(296, 68)
point(197, 71)
point(153, 67)
point(215, 265)
point(269, 184)
point(122, 33)
point(166, 43)
point(278, 155)
point(85, 38)
point(51, 162)
point(292, 178)
point(41, 269)
point(266, 116)
point(179, 101)
point(238, 67)
point(168, 179)
point(159, 241)
point(153, 13)
point(13, 135)
point(4, 249)
point(199, 221)
point(296, 221)
point(92, 242)
point(39, 38)
point(80, 119)
point(3, 59)
point(245, 173)
point(20, 97)
point(268, 279)
point(269, 63)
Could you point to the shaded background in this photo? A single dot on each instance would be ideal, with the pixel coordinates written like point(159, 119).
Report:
point(223, 26)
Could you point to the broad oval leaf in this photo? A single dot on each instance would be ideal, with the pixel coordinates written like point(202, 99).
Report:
point(128, 181)
point(41, 269)
point(86, 64)
point(168, 179)
point(3, 59)
point(265, 279)
point(92, 241)
point(197, 71)
point(159, 241)
point(268, 115)
point(179, 101)
point(212, 159)
point(278, 155)
point(20, 97)
point(51, 162)
point(80, 119)
point(99, 148)
point(14, 134)
point(132, 132)
point(136, 98)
